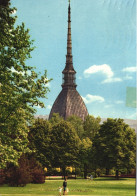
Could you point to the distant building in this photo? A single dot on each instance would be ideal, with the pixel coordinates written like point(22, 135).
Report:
point(69, 102)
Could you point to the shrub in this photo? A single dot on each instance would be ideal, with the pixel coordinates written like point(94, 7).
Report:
point(2, 176)
point(38, 176)
point(28, 171)
point(37, 171)
point(19, 175)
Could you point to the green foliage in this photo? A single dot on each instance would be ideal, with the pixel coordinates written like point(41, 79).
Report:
point(114, 145)
point(91, 126)
point(20, 88)
point(56, 118)
point(64, 145)
point(4, 2)
point(77, 123)
point(85, 154)
point(85, 150)
point(39, 138)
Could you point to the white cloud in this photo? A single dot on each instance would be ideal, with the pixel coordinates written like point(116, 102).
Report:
point(130, 69)
point(119, 102)
point(105, 69)
point(49, 107)
point(110, 80)
point(93, 98)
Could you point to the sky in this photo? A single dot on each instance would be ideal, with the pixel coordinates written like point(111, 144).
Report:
point(103, 48)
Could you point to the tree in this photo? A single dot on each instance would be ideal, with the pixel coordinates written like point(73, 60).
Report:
point(91, 126)
point(4, 2)
point(129, 149)
point(56, 118)
point(115, 145)
point(20, 87)
point(64, 146)
point(77, 123)
point(39, 141)
point(85, 155)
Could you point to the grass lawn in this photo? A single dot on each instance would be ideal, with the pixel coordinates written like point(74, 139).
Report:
point(99, 186)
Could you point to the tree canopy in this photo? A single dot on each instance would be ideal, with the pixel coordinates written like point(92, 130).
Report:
point(20, 87)
point(85, 155)
point(91, 126)
point(115, 145)
point(77, 123)
point(64, 145)
point(39, 141)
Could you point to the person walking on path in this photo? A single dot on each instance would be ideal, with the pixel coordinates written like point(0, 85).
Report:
point(65, 187)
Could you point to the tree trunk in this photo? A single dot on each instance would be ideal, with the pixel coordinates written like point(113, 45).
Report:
point(107, 171)
point(75, 173)
point(117, 176)
point(64, 172)
point(85, 171)
point(95, 173)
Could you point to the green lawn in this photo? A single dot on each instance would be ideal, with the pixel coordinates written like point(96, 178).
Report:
point(99, 186)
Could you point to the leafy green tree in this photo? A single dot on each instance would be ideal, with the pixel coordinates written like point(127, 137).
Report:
point(85, 155)
point(115, 145)
point(77, 123)
point(56, 118)
point(39, 141)
point(64, 146)
point(129, 149)
point(91, 126)
point(20, 87)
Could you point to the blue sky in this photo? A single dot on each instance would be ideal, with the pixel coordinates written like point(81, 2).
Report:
point(103, 48)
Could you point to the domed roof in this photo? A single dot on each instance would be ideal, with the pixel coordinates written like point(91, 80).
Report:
point(68, 103)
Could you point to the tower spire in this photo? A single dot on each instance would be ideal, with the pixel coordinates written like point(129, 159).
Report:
point(69, 72)
point(69, 44)
point(69, 102)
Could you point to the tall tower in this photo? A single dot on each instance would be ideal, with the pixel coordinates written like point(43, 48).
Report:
point(69, 102)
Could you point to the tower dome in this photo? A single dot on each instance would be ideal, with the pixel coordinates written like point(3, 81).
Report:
point(69, 102)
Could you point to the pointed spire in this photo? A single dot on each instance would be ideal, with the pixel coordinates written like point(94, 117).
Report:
point(69, 44)
point(69, 58)
point(69, 72)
